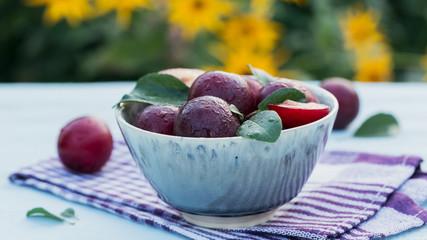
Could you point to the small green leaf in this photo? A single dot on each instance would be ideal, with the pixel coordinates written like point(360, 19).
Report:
point(262, 76)
point(157, 88)
point(41, 212)
point(236, 111)
point(69, 213)
point(282, 95)
point(264, 126)
point(378, 125)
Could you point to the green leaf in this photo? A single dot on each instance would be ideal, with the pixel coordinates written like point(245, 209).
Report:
point(262, 76)
point(378, 125)
point(236, 111)
point(264, 126)
point(157, 88)
point(282, 95)
point(41, 212)
point(69, 213)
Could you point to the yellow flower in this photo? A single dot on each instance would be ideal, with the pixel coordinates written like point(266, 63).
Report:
point(236, 60)
point(262, 8)
point(193, 16)
point(360, 28)
point(72, 10)
point(374, 67)
point(424, 66)
point(298, 2)
point(123, 8)
point(372, 52)
point(424, 61)
point(250, 31)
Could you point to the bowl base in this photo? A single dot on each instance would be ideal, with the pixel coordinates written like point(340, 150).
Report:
point(228, 222)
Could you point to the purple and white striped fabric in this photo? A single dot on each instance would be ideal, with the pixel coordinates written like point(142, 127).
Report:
point(349, 196)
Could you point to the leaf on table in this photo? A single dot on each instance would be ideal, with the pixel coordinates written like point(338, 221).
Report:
point(41, 212)
point(69, 213)
point(282, 95)
point(262, 76)
point(264, 126)
point(378, 125)
point(157, 88)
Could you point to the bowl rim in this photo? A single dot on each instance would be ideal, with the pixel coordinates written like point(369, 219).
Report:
point(333, 110)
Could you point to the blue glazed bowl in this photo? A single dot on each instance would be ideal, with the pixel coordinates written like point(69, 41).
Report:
point(227, 177)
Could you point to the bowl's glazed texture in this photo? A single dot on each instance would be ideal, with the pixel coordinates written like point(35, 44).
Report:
point(228, 176)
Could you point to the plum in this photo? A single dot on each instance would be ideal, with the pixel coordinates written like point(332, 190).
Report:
point(157, 118)
point(273, 86)
point(348, 100)
point(187, 75)
point(230, 87)
point(206, 116)
point(255, 86)
point(85, 144)
point(294, 114)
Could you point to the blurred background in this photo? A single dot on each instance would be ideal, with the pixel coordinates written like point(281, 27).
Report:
point(115, 40)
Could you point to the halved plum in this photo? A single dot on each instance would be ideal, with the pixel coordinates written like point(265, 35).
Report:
point(294, 114)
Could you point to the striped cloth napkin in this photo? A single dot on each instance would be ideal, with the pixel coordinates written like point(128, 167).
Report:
point(349, 196)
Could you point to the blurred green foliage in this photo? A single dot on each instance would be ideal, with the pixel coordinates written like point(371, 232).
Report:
point(98, 50)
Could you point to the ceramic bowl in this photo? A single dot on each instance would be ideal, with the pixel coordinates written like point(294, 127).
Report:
point(227, 182)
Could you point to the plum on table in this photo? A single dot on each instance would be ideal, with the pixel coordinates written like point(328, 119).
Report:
point(348, 100)
point(85, 144)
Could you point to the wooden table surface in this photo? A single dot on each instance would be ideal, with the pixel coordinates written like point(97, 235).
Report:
point(33, 114)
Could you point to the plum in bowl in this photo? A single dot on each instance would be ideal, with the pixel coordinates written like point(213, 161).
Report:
point(227, 182)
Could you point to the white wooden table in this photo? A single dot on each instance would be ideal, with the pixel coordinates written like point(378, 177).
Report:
point(31, 116)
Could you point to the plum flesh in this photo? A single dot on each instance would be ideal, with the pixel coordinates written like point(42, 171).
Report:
point(295, 114)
